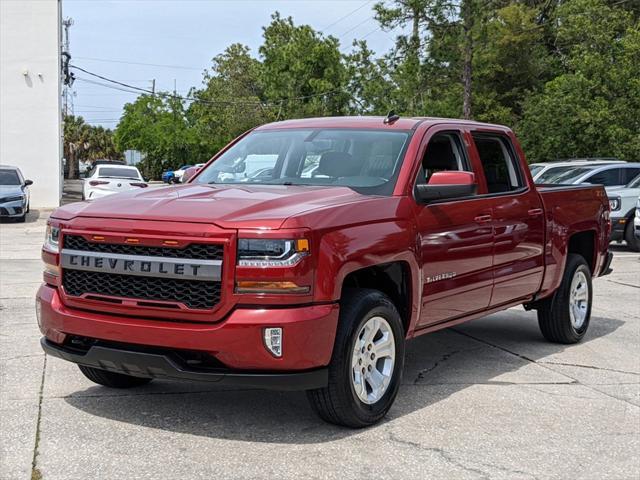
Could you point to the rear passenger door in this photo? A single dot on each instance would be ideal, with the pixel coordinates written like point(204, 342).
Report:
point(455, 237)
point(517, 219)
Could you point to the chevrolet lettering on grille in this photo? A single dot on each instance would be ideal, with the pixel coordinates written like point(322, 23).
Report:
point(187, 269)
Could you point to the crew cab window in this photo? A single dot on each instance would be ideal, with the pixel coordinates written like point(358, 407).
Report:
point(501, 168)
point(444, 153)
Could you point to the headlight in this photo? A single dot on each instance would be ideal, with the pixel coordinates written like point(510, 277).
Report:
point(51, 239)
point(614, 203)
point(254, 252)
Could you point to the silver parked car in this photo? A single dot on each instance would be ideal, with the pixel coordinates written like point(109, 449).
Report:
point(14, 193)
point(552, 168)
point(608, 174)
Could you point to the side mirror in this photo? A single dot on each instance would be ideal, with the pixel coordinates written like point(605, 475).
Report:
point(446, 185)
point(28, 182)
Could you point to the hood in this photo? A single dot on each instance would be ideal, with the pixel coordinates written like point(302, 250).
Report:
point(227, 206)
point(623, 191)
point(6, 190)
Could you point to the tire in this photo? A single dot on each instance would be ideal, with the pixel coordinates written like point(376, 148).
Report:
point(629, 236)
point(112, 379)
point(338, 402)
point(557, 322)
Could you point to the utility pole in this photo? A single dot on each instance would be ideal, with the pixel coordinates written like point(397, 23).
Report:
point(153, 87)
point(68, 78)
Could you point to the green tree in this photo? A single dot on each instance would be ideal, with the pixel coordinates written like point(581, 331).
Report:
point(303, 72)
point(157, 125)
point(231, 100)
point(592, 108)
point(84, 142)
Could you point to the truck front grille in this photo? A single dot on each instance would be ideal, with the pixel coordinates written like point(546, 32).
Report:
point(196, 251)
point(194, 294)
point(102, 273)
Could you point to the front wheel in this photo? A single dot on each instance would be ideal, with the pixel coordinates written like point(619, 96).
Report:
point(112, 379)
point(564, 317)
point(367, 362)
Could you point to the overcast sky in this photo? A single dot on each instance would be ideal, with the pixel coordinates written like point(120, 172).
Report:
point(114, 39)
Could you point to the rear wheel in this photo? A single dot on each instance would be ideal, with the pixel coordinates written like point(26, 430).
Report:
point(112, 379)
point(564, 317)
point(367, 361)
point(629, 236)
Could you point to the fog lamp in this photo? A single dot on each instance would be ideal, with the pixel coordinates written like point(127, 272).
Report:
point(273, 340)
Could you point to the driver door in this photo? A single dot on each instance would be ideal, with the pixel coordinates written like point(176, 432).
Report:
point(455, 237)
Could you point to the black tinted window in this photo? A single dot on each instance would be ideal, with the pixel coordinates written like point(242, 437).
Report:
point(501, 169)
point(607, 178)
point(117, 172)
point(629, 174)
point(9, 177)
point(444, 153)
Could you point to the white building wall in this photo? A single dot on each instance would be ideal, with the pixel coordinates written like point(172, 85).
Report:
point(30, 122)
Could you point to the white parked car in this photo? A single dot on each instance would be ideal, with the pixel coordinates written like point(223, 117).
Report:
point(623, 212)
point(549, 170)
point(104, 180)
point(177, 174)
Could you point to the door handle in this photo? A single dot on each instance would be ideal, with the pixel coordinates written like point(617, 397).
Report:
point(483, 218)
point(534, 212)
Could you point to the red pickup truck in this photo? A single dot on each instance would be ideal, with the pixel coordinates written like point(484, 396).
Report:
point(304, 254)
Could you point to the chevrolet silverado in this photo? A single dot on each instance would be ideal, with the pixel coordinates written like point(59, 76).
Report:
point(357, 235)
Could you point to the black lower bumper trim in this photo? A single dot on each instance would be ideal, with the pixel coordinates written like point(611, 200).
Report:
point(151, 365)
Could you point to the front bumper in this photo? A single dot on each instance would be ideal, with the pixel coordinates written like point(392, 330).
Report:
point(618, 226)
point(13, 209)
point(308, 333)
point(164, 365)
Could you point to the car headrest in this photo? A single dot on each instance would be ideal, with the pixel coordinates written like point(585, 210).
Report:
point(338, 164)
point(439, 156)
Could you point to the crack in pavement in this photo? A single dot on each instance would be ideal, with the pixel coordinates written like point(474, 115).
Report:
point(542, 365)
point(622, 283)
point(593, 367)
point(452, 460)
point(441, 360)
point(35, 471)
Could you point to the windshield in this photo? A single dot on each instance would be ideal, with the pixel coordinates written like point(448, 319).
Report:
point(9, 177)
point(562, 174)
point(365, 160)
point(535, 169)
point(118, 172)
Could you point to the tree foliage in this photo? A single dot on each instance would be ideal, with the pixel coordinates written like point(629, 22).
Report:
point(84, 142)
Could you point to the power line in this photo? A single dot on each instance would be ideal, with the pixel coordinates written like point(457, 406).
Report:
point(347, 15)
point(133, 89)
point(127, 62)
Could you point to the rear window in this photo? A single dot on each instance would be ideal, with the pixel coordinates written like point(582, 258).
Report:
point(118, 172)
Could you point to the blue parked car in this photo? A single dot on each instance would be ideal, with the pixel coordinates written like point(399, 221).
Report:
point(168, 176)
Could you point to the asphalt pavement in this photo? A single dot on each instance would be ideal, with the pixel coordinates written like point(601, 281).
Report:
point(488, 399)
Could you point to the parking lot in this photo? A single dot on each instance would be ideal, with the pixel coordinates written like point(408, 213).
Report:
point(488, 399)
